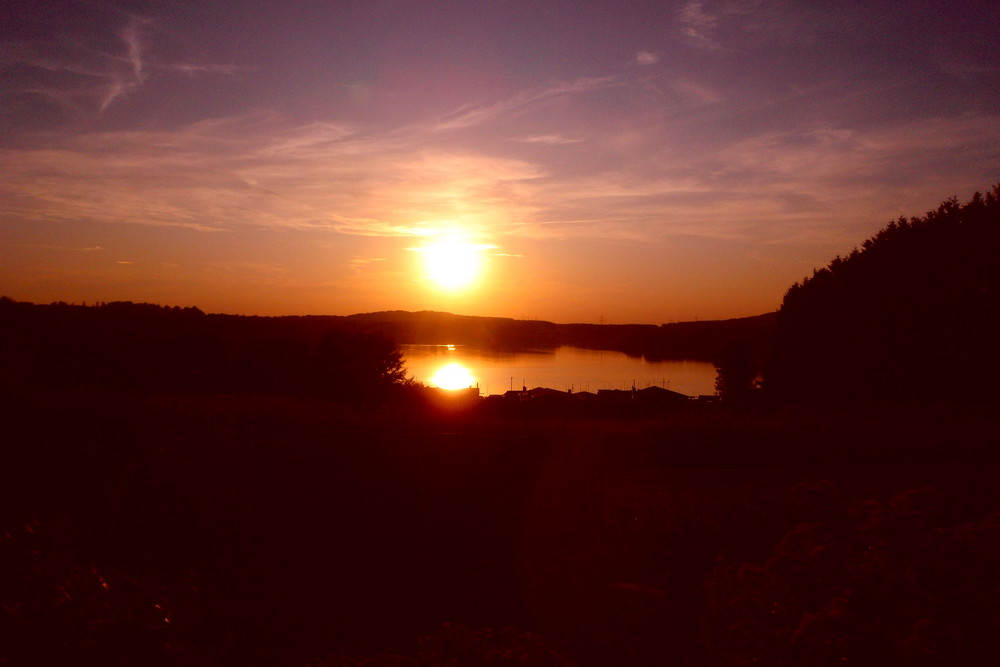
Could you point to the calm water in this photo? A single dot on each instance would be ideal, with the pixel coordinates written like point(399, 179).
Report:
point(565, 368)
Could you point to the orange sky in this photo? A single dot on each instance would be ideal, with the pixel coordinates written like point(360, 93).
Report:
point(659, 162)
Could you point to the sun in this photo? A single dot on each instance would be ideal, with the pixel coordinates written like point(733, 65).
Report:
point(453, 264)
point(453, 376)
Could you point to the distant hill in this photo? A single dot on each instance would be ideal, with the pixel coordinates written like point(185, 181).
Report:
point(135, 345)
point(914, 314)
point(682, 340)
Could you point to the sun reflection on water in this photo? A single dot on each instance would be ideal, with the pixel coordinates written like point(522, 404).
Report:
point(453, 376)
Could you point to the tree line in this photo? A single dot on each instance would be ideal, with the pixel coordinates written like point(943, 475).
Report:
point(138, 347)
point(914, 314)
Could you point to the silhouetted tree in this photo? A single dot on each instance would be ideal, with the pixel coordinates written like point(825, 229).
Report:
point(736, 374)
point(354, 367)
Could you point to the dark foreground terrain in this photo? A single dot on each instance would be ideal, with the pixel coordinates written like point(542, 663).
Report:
point(190, 489)
point(261, 529)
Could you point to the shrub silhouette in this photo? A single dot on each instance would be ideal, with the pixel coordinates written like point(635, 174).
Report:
point(903, 581)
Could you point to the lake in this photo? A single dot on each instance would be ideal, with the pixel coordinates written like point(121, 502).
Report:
point(458, 366)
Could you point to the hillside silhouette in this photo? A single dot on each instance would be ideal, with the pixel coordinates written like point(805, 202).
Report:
point(702, 341)
point(914, 314)
point(145, 348)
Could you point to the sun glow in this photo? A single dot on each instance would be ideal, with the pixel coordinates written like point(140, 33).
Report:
point(453, 376)
point(453, 264)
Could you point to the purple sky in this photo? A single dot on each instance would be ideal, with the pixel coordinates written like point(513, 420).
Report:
point(640, 161)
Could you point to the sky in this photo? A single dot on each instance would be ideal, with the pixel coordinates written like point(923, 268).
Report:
point(585, 161)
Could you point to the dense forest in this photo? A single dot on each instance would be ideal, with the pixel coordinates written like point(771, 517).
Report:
point(914, 314)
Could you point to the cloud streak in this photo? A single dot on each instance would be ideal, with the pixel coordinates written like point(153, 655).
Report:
point(549, 139)
point(646, 58)
point(471, 116)
point(698, 26)
point(85, 79)
point(247, 172)
point(252, 171)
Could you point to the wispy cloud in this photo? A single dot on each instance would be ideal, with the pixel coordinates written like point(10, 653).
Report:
point(819, 184)
point(727, 25)
point(49, 246)
point(132, 37)
point(698, 26)
point(640, 181)
point(698, 93)
point(646, 58)
point(98, 76)
point(470, 116)
point(251, 171)
point(133, 73)
point(191, 68)
point(549, 139)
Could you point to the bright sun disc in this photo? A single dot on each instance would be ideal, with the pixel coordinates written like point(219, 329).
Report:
point(451, 263)
point(453, 376)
